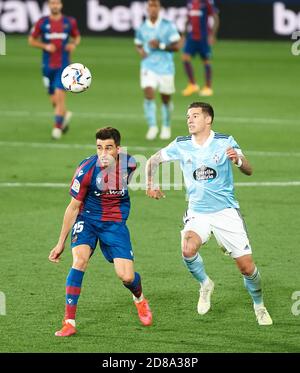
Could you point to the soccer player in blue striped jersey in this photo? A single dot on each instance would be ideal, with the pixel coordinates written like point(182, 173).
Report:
point(98, 211)
point(155, 41)
point(200, 36)
point(206, 159)
point(58, 36)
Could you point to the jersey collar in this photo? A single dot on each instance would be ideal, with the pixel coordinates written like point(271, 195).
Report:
point(153, 25)
point(207, 142)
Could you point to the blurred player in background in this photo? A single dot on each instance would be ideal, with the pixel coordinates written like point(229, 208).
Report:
point(155, 41)
point(98, 210)
point(200, 36)
point(58, 36)
point(206, 157)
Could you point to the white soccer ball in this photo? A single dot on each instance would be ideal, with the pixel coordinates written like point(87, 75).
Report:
point(76, 78)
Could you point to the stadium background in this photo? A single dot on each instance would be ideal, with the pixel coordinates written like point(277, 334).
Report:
point(256, 81)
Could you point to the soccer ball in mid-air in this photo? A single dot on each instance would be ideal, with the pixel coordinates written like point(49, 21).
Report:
point(76, 78)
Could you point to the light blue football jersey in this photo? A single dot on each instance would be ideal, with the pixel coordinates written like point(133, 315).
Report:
point(159, 61)
point(207, 171)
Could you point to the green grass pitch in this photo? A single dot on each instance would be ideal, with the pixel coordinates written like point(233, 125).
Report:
point(256, 100)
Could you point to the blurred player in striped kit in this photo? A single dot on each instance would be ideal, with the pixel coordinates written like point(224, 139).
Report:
point(200, 36)
point(58, 36)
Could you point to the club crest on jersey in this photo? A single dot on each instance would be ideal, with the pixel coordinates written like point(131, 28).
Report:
point(216, 158)
point(99, 181)
point(204, 173)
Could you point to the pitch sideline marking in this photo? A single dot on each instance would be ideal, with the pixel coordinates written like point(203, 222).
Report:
point(172, 185)
point(135, 148)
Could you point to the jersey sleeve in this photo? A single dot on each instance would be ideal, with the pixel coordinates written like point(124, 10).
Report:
point(80, 183)
point(36, 29)
point(170, 152)
point(211, 7)
point(235, 145)
point(74, 28)
point(173, 35)
point(138, 39)
point(131, 167)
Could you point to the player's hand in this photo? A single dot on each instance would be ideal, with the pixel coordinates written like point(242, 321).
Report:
point(143, 54)
point(232, 155)
point(51, 48)
point(154, 44)
point(70, 47)
point(56, 253)
point(155, 193)
point(211, 40)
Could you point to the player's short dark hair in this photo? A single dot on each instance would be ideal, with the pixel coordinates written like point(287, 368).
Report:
point(107, 133)
point(206, 108)
point(154, 1)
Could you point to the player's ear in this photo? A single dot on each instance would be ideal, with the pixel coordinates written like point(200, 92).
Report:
point(208, 119)
point(119, 149)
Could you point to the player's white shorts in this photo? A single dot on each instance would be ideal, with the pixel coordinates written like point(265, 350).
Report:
point(163, 83)
point(227, 226)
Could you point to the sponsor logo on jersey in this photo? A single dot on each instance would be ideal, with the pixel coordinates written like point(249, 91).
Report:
point(111, 192)
point(76, 186)
point(204, 173)
point(56, 35)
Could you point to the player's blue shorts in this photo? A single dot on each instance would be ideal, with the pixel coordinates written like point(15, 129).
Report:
point(201, 47)
point(52, 79)
point(114, 237)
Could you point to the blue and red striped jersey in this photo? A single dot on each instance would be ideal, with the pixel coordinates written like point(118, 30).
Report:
point(57, 32)
point(198, 13)
point(103, 191)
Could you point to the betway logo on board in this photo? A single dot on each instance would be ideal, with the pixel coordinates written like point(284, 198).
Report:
point(122, 19)
point(286, 21)
point(19, 16)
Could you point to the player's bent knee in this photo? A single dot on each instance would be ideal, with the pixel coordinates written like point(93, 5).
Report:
point(127, 279)
point(80, 264)
point(247, 270)
point(185, 57)
point(191, 244)
point(189, 249)
point(189, 253)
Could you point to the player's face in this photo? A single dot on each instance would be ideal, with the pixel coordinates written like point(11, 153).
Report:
point(107, 152)
point(55, 7)
point(197, 121)
point(153, 9)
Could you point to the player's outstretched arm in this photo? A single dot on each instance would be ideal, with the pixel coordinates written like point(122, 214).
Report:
point(240, 161)
point(151, 168)
point(33, 42)
point(69, 219)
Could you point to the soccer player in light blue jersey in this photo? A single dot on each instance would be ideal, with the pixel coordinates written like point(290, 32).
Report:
point(206, 159)
point(155, 41)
